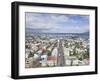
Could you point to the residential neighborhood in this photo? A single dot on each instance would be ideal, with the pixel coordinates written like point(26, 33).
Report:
point(56, 40)
point(47, 50)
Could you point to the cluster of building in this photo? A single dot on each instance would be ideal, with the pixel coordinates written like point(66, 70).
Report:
point(40, 52)
point(76, 52)
point(43, 51)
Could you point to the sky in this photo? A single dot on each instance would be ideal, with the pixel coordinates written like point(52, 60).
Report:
point(57, 23)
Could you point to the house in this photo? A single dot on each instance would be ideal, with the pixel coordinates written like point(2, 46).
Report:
point(51, 61)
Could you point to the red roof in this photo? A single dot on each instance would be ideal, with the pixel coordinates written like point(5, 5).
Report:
point(51, 58)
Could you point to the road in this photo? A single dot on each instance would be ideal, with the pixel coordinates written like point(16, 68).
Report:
point(60, 56)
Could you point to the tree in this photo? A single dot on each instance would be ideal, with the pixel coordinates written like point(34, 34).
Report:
point(74, 52)
point(31, 54)
point(86, 54)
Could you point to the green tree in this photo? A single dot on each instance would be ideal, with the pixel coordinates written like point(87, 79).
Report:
point(31, 54)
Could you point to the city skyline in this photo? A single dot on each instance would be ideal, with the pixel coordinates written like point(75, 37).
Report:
point(57, 23)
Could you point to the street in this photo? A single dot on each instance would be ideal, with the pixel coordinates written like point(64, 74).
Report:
point(60, 56)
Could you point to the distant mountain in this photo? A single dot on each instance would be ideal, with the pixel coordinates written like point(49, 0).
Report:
point(31, 30)
point(86, 33)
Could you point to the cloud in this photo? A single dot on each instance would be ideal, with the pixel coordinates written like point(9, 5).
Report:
point(57, 23)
